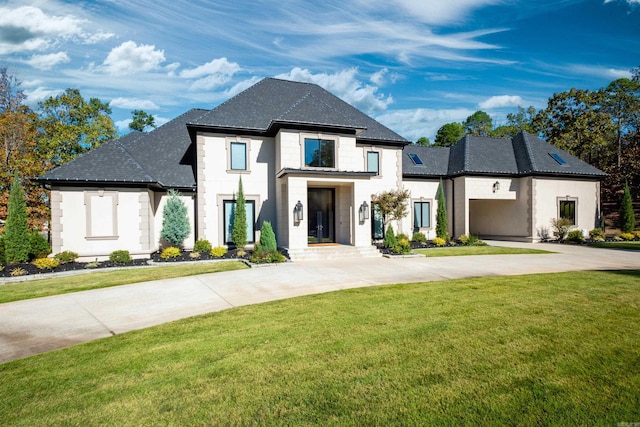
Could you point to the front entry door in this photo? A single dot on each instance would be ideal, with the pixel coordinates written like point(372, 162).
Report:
point(321, 215)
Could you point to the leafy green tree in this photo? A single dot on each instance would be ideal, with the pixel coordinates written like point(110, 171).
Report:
point(449, 134)
point(392, 204)
point(16, 235)
point(479, 123)
point(71, 126)
point(175, 220)
point(627, 216)
point(523, 120)
point(141, 120)
point(441, 215)
point(423, 141)
point(622, 104)
point(239, 233)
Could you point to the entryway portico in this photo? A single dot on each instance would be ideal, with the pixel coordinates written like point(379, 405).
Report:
point(323, 207)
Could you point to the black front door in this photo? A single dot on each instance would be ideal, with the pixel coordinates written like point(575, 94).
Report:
point(321, 215)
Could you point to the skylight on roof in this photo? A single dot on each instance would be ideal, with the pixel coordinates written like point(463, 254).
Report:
point(416, 159)
point(559, 159)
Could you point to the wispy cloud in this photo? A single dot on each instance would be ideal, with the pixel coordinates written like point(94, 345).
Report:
point(211, 75)
point(133, 104)
point(415, 123)
point(47, 62)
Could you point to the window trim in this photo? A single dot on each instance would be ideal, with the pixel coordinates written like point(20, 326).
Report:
point(229, 142)
point(413, 214)
point(221, 198)
point(88, 195)
point(573, 200)
point(319, 136)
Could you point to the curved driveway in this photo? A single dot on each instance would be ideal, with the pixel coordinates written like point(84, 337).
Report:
point(39, 325)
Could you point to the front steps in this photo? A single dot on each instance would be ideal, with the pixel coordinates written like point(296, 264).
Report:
point(325, 252)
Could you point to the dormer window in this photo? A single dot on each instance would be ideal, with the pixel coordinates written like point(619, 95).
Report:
point(319, 153)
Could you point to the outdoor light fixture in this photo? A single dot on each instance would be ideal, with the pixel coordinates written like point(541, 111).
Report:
point(364, 211)
point(297, 212)
point(496, 186)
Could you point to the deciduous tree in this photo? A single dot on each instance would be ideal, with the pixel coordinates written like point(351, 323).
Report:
point(392, 204)
point(449, 134)
point(479, 123)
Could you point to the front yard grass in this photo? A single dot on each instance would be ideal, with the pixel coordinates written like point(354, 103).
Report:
point(477, 250)
point(551, 349)
point(104, 279)
point(633, 246)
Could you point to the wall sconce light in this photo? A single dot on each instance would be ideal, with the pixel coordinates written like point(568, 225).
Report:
point(496, 186)
point(364, 211)
point(297, 212)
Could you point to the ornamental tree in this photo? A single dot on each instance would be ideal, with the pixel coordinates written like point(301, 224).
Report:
point(17, 241)
point(175, 220)
point(239, 233)
point(392, 204)
point(441, 215)
point(627, 216)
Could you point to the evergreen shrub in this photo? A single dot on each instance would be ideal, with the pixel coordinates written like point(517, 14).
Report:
point(218, 251)
point(16, 233)
point(121, 256)
point(390, 239)
point(175, 220)
point(170, 252)
point(627, 216)
point(419, 237)
point(575, 236)
point(45, 263)
point(38, 245)
point(66, 256)
point(202, 246)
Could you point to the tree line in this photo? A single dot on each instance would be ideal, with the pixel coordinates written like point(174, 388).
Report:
point(35, 141)
point(601, 127)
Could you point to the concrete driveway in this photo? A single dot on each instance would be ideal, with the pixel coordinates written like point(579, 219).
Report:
point(39, 325)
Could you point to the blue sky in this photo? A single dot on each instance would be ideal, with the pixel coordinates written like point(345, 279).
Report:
point(412, 64)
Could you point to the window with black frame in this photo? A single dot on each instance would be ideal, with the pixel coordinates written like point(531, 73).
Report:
point(568, 210)
point(319, 153)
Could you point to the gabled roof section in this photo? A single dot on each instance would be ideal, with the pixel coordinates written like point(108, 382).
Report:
point(160, 157)
point(522, 155)
point(273, 103)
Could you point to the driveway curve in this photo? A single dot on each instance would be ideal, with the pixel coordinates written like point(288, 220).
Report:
point(39, 325)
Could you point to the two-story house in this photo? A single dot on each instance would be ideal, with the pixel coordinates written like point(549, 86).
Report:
point(309, 164)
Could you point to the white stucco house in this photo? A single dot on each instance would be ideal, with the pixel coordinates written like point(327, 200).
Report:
point(309, 163)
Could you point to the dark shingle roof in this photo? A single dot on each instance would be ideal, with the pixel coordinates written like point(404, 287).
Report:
point(160, 157)
point(524, 154)
point(273, 103)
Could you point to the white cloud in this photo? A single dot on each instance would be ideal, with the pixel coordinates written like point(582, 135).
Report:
point(501, 101)
point(344, 85)
point(47, 62)
point(631, 2)
point(211, 75)
point(123, 125)
point(40, 94)
point(413, 124)
point(129, 58)
point(133, 104)
point(439, 12)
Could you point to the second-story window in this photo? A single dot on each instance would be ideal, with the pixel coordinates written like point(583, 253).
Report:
point(373, 162)
point(238, 156)
point(319, 153)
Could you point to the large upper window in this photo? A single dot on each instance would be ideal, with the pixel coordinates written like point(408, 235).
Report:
point(373, 162)
point(422, 214)
point(238, 156)
point(229, 215)
point(319, 153)
point(568, 210)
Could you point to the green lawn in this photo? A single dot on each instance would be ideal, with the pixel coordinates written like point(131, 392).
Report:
point(553, 349)
point(634, 246)
point(477, 250)
point(104, 279)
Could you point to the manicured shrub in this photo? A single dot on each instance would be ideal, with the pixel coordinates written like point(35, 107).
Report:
point(402, 247)
point(627, 236)
point(16, 233)
point(39, 246)
point(66, 256)
point(218, 251)
point(267, 238)
point(45, 263)
point(195, 255)
point(175, 220)
point(18, 271)
point(470, 240)
point(262, 257)
point(3, 260)
point(239, 232)
point(121, 256)
point(637, 234)
point(627, 217)
point(390, 239)
point(439, 241)
point(419, 237)
point(202, 246)
point(561, 227)
point(170, 252)
point(575, 236)
point(596, 234)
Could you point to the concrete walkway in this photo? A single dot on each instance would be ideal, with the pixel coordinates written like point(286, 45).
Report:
point(35, 326)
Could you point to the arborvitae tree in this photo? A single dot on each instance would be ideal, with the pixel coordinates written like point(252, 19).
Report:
point(390, 239)
point(16, 235)
point(239, 233)
point(175, 220)
point(441, 215)
point(267, 238)
point(627, 218)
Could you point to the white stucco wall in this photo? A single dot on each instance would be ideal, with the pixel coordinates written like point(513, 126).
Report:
point(94, 222)
point(421, 191)
point(217, 182)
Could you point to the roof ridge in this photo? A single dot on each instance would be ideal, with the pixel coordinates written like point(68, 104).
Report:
point(294, 105)
point(532, 160)
point(137, 164)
